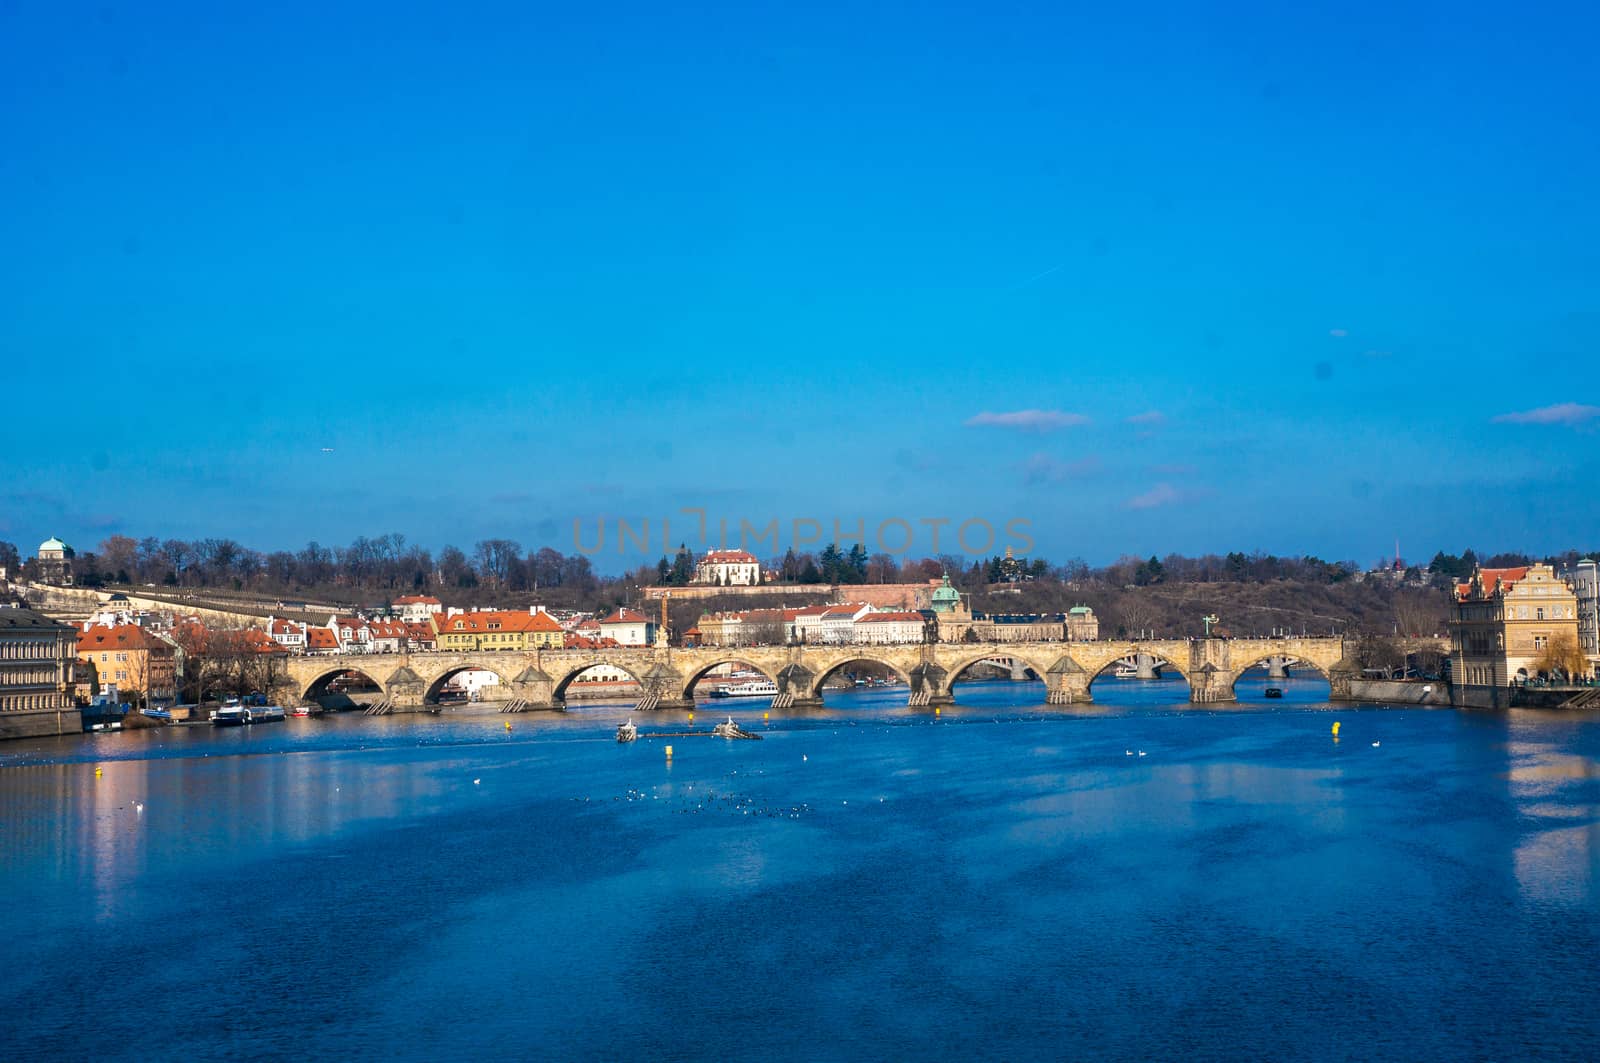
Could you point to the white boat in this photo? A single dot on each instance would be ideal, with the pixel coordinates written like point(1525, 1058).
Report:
point(240, 715)
point(755, 688)
point(1126, 671)
point(627, 731)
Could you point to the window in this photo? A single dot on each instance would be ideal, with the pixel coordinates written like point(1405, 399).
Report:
point(1540, 641)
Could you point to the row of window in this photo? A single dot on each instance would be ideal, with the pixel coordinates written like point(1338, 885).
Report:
point(29, 677)
point(23, 702)
point(27, 649)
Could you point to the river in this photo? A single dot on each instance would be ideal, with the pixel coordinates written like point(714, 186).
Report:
point(1133, 880)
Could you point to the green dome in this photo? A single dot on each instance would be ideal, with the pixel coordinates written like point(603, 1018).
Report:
point(52, 543)
point(946, 599)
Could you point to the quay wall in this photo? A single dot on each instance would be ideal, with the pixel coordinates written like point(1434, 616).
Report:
point(1397, 692)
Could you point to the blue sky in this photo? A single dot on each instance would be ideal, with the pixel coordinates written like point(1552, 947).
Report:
point(1268, 279)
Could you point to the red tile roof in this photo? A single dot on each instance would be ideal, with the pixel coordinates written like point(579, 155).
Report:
point(320, 638)
point(417, 599)
point(885, 618)
point(544, 622)
point(478, 623)
point(625, 616)
point(1494, 579)
point(123, 637)
point(728, 557)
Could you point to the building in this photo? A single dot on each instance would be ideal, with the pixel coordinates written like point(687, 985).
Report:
point(38, 663)
point(628, 628)
point(1082, 624)
point(421, 637)
point(728, 568)
point(881, 629)
point(388, 636)
point(288, 634)
point(1502, 622)
point(1584, 580)
point(416, 608)
point(55, 562)
point(494, 630)
point(545, 632)
point(129, 661)
point(352, 634)
point(839, 623)
point(321, 642)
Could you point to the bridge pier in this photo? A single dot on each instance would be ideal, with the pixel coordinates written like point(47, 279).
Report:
point(930, 685)
point(1277, 668)
point(795, 688)
point(1067, 683)
point(1146, 667)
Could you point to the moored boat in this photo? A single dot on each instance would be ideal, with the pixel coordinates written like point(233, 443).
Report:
point(627, 731)
point(755, 688)
point(729, 729)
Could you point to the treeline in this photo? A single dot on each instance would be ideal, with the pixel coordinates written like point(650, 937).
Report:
point(385, 565)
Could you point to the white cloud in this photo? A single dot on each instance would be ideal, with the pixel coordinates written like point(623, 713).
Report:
point(1338, 333)
point(1150, 417)
point(1028, 420)
point(1563, 413)
point(1159, 495)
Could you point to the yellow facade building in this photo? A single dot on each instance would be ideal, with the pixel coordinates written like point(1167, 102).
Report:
point(1504, 623)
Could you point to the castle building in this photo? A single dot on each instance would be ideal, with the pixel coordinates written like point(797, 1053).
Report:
point(728, 568)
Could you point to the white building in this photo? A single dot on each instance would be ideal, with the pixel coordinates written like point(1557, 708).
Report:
point(728, 568)
point(286, 633)
point(628, 628)
point(880, 629)
point(352, 634)
point(416, 608)
point(388, 636)
point(839, 623)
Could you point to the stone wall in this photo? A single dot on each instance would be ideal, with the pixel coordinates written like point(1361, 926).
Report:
point(1397, 692)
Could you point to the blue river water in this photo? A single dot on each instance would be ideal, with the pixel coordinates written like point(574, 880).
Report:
point(1136, 879)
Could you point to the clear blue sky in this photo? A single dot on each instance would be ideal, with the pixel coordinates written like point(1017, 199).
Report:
point(516, 265)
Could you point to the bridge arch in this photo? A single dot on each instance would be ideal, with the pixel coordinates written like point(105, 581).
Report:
point(321, 684)
point(822, 674)
point(700, 672)
point(559, 690)
point(1163, 661)
point(1266, 658)
point(437, 683)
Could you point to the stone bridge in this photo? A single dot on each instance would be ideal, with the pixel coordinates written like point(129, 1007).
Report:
point(539, 679)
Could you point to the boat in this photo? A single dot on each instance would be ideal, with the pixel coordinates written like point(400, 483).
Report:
point(729, 729)
point(755, 688)
point(627, 732)
point(1274, 692)
point(301, 710)
point(1126, 671)
point(240, 715)
point(157, 714)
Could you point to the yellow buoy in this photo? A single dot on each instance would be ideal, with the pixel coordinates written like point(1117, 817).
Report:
point(508, 725)
point(691, 715)
point(937, 710)
point(1336, 727)
point(98, 772)
point(766, 715)
point(669, 752)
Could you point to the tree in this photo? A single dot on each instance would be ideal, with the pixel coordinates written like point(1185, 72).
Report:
point(495, 559)
point(1562, 656)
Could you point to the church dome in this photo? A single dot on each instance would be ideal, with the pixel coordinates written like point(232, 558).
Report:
point(52, 543)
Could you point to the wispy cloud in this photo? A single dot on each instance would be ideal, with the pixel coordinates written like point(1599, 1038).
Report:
point(1042, 468)
point(1570, 414)
point(1148, 417)
point(1160, 495)
point(1028, 420)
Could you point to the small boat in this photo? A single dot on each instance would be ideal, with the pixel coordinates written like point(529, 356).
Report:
point(1274, 692)
point(756, 688)
point(157, 714)
point(1126, 671)
point(627, 732)
point(301, 710)
point(729, 729)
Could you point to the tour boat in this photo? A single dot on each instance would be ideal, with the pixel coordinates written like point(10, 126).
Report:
point(1126, 671)
point(627, 732)
point(755, 688)
point(239, 715)
point(1274, 692)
